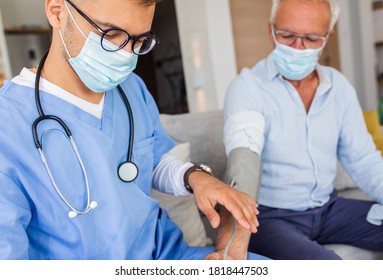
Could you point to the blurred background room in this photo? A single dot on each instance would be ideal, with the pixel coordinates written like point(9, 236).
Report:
point(205, 44)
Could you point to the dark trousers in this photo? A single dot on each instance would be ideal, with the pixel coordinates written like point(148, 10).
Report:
point(286, 234)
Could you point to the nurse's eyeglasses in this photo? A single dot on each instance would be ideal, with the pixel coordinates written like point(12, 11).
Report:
point(142, 44)
point(310, 41)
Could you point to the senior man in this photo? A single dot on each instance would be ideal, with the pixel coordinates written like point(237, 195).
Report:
point(287, 122)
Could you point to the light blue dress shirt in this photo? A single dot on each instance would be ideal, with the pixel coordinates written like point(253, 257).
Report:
point(300, 149)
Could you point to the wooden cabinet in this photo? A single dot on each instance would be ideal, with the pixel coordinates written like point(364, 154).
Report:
point(250, 20)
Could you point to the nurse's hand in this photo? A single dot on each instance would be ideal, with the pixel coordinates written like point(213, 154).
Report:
point(209, 191)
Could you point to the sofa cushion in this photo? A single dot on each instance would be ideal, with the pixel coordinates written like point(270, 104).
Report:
point(204, 132)
point(348, 252)
point(183, 211)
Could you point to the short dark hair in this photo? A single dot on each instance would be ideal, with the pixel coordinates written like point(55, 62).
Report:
point(148, 2)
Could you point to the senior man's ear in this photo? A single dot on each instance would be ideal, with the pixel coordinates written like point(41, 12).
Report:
point(270, 27)
point(53, 10)
point(330, 34)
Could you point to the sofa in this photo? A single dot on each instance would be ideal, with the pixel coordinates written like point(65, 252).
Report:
point(199, 138)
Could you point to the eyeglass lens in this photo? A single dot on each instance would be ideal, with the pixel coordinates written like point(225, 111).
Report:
point(116, 39)
point(309, 41)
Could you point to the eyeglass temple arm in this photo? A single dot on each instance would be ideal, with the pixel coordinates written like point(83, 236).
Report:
point(86, 17)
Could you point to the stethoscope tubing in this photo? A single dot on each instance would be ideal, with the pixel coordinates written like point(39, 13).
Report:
point(42, 116)
point(131, 122)
point(40, 110)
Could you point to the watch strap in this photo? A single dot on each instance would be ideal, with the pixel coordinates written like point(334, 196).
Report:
point(195, 167)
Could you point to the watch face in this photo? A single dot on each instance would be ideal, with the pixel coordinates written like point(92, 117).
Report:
point(206, 168)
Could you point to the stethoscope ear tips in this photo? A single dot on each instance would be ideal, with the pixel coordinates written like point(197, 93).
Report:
point(93, 204)
point(73, 214)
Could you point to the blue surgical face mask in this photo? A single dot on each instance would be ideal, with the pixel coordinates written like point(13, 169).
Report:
point(101, 70)
point(295, 64)
point(98, 69)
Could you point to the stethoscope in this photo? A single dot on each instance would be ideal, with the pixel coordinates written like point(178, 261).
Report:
point(126, 171)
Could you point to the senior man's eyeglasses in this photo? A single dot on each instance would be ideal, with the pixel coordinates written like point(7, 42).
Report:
point(310, 41)
point(141, 44)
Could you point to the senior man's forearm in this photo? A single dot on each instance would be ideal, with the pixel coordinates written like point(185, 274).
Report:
point(233, 240)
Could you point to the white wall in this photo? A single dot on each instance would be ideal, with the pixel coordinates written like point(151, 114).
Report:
point(357, 50)
point(207, 50)
point(219, 28)
point(5, 66)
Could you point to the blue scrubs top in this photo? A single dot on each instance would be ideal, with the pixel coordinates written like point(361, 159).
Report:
point(127, 224)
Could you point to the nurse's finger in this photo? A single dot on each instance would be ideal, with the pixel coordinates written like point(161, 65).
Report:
point(242, 208)
point(240, 205)
point(207, 207)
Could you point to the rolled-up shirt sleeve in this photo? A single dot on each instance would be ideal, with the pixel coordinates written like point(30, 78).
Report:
point(244, 130)
point(168, 175)
point(244, 119)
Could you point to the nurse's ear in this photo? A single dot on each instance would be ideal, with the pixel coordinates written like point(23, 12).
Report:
point(53, 10)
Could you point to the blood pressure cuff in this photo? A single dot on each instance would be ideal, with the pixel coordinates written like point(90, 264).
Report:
point(244, 168)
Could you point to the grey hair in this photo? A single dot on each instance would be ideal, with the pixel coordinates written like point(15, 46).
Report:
point(335, 11)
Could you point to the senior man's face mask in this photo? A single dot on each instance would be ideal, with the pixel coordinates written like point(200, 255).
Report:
point(98, 69)
point(296, 64)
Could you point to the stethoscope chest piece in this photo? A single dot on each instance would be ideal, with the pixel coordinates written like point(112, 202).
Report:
point(127, 171)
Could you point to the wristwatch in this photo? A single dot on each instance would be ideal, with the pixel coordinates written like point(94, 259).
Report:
point(195, 167)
